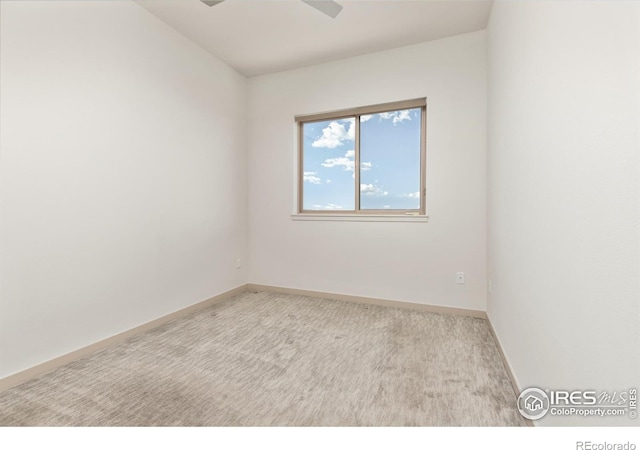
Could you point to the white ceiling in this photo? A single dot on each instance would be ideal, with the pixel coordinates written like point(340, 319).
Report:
point(263, 36)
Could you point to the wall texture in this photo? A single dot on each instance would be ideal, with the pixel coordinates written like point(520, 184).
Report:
point(414, 262)
point(122, 175)
point(564, 194)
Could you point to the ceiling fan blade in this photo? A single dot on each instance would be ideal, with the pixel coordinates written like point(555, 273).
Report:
point(329, 7)
point(211, 2)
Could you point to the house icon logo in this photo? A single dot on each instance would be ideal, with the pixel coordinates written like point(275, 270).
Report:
point(533, 403)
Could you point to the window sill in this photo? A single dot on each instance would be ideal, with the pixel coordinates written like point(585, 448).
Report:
point(360, 217)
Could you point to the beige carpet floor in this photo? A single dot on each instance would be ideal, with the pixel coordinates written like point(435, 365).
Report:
point(271, 359)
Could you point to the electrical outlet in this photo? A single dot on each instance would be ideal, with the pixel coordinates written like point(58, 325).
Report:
point(460, 277)
point(238, 263)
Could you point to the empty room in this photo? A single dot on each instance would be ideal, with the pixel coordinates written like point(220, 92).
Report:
point(320, 214)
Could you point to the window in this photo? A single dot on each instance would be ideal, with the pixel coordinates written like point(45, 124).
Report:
point(366, 161)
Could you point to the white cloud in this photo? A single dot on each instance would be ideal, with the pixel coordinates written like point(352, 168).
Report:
point(335, 134)
point(396, 116)
point(310, 177)
point(330, 206)
point(328, 181)
point(365, 117)
point(373, 190)
point(411, 195)
point(401, 115)
point(339, 161)
point(346, 161)
point(387, 206)
point(351, 132)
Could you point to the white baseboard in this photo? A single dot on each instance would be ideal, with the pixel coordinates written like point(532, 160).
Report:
point(370, 301)
point(48, 366)
point(517, 388)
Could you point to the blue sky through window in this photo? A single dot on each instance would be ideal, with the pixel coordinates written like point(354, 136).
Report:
point(389, 162)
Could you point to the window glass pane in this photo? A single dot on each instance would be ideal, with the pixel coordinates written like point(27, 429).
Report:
point(390, 160)
point(328, 165)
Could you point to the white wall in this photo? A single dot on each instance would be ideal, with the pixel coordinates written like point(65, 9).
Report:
point(122, 175)
point(414, 262)
point(564, 194)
